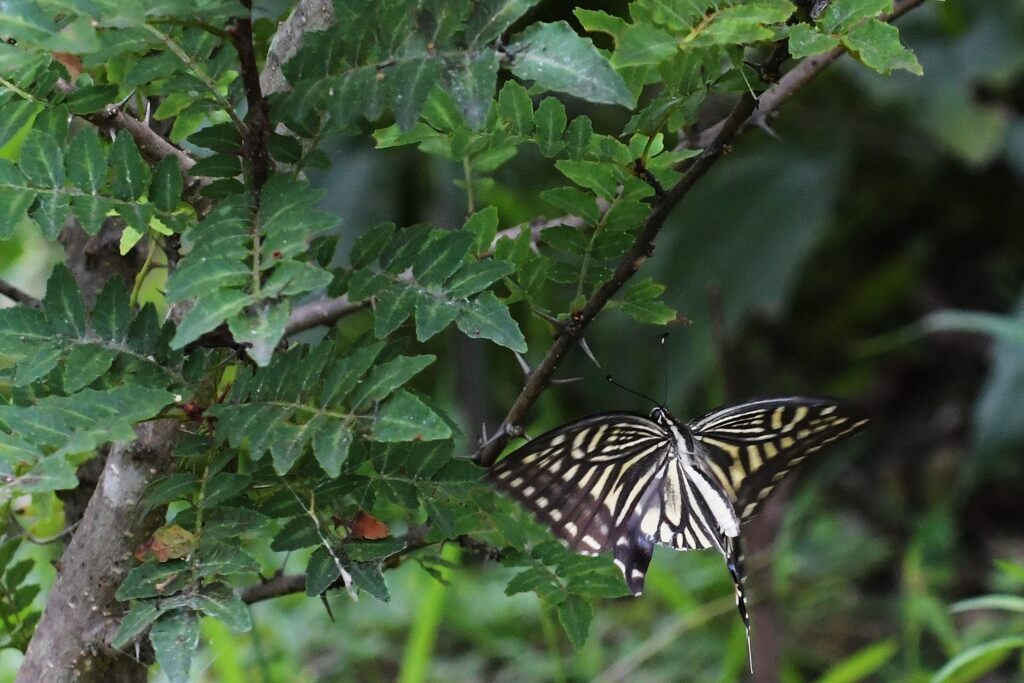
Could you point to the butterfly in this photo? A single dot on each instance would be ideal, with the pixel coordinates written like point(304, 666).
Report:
point(627, 482)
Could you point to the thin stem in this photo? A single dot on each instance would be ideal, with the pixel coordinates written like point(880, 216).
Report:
point(18, 296)
point(147, 265)
point(18, 91)
point(467, 172)
point(185, 59)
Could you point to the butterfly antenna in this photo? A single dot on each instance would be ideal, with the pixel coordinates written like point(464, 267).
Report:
point(664, 368)
point(635, 393)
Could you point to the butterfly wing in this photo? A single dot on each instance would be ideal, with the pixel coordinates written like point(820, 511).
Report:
point(750, 447)
point(614, 480)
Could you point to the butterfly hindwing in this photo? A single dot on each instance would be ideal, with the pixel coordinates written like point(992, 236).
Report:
point(751, 446)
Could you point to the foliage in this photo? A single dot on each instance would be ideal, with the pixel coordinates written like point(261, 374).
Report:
point(289, 443)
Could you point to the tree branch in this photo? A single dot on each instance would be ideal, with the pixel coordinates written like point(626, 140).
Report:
point(254, 143)
point(18, 296)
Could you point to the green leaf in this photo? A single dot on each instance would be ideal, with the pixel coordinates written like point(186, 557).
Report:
point(222, 137)
point(1008, 603)
point(804, 41)
point(87, 161)
point(369, 246)
point(167, 185)
point(442, 257)
point(139, 617)
point(323, 570)
point(515, 108)
point(877, 46)
point(557, 58)
point(406, 418)
point(488, 318)
point(220, 602)
point(841, 15)
point(975, 662)
point(112, 312)
point(642, 45)
point(573, 201)
point(387, 377)
point(346, 372)
point(551, 120)
point(218, 166)
point(483, 225)
point(593, 175)
point(63, 303)
point(394, 306)
point(85, 364)
point(91, 211)
point(90, 98)
point(176, 486)
point(492, 17)
point(475, 277)
point(367, 577)
point(433, 315)
point(175, 636)
point(575, 615)
point(331, 442)
point(42, 161)
point(130, 172)
point(209, 312)
point(224, 486)
point(15, 117)
point(862, 664)
point(153, 579)
point(261, 328)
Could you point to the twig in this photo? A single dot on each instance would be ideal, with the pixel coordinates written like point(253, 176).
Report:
point(18, 296)
point(640, 251)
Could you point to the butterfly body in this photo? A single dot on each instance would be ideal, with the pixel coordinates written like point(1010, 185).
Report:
point(627, 482)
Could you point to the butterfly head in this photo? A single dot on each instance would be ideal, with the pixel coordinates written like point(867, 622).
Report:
point(665, 419)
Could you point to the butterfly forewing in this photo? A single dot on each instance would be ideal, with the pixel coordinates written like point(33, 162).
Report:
point(750, 447)
point(586, 478)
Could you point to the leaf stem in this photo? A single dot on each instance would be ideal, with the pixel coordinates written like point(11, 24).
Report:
point(144, 271)
point(17, 91)
point(467, 172)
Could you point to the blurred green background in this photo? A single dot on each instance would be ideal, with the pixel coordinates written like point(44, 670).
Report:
point(804, 263)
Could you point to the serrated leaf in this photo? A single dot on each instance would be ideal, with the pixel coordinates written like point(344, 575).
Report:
point(297, 533)
point(224, 486)
point(137, 620)
point(368, 577)
point(175, 636)
point(261, 328)
point(433, 315)
point(17, 116)
point(405, 417)
point(442, 257)
point(877, 46)
point(557, 58)
point(483, 225)
point(370, 244)
point(223, 558)
point(112, 312)
point(515, 108)
point(491, 17)
point(209, 312)
point(394, 306)
point(153, 579)
point(593, 175)
point(42, 161)
point(331, 442)
point(323, 570)
point(575, 615)
point(87, 161)
point(221, 602)
point(477, 276)
point(130, 172)
point(85, 364)
point(551, 120)
point(385, 378)
point(222, 137)
point(487, 318)
point(346, 372)
point(176, 486)
point(804, 41)
point(167, 185)
point(575, 202)
point(90, 98)
point(63, 303)
point(840, 16)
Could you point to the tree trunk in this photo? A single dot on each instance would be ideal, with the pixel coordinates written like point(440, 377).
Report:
point(81, 617)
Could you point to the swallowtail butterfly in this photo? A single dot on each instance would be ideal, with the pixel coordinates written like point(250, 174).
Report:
point(625, 482)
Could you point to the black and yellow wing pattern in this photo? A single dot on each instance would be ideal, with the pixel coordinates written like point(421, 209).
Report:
point(625, 482)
